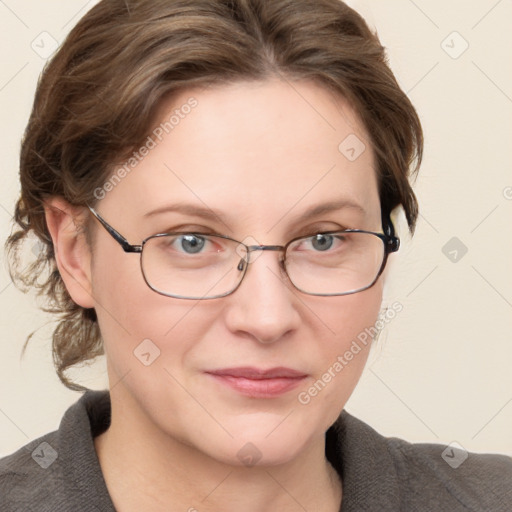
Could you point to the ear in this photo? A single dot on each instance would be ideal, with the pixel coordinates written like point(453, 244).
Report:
point(72, 253)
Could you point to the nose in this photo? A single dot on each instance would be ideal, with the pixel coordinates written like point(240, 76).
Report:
point(264, 305)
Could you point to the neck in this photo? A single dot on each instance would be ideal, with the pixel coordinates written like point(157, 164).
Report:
point(147, 469)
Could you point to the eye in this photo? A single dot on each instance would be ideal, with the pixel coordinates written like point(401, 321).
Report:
point(185, 244)
point(191, 244)
point(322, 242)
point(326, 243)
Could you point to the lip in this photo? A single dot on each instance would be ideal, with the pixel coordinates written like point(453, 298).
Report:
point(257, 382)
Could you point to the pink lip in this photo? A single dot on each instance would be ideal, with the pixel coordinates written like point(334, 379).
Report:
point(258, 383)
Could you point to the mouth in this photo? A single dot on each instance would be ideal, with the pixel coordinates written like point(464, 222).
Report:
point(259, 383)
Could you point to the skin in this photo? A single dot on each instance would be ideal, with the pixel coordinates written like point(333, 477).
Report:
point(262, 153)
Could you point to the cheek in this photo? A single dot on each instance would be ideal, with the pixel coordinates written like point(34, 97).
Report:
point(348, 317)
point(343, 352)
point(136, 321)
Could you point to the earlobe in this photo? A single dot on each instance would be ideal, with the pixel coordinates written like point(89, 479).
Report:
point(72, 253)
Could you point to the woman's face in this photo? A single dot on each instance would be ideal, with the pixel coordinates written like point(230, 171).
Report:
point(259, 155)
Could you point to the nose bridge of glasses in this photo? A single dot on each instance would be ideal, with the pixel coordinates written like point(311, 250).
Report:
point(255, 248)
point(252, 248)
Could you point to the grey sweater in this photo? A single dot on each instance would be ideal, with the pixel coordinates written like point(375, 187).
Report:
point(60, 472)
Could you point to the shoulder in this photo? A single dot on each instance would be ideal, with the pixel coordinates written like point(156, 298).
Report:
point(60, 471)
point(480, 481)
point(30, 474)
point(415, 476)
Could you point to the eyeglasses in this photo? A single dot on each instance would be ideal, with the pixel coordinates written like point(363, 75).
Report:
point(190, 265)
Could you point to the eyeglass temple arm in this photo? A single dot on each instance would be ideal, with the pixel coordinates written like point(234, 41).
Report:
point(127, 247)
point(393, 242)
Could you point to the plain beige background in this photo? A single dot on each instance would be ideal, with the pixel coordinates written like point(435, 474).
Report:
point(441, 370)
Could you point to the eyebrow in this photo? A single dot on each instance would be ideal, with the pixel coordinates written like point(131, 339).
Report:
point(209, 213)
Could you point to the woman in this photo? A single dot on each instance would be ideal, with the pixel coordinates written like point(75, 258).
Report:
point(214, 184)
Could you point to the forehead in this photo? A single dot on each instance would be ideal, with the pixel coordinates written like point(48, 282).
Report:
point(265, 150)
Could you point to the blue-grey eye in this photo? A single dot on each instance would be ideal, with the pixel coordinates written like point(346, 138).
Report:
point(192, 244)
point(322, 242)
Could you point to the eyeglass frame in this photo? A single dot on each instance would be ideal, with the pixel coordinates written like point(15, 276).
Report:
point(391, 245)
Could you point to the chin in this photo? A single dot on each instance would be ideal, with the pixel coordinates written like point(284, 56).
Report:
point(260, 452)
point(264, 441)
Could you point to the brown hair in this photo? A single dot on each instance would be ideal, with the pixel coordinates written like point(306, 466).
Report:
point(99, 93)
